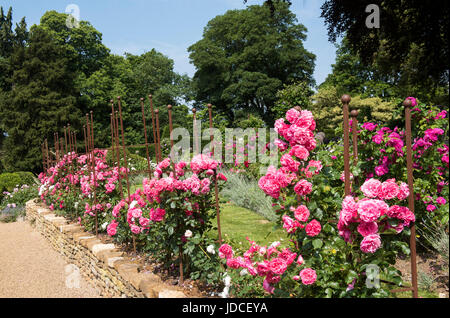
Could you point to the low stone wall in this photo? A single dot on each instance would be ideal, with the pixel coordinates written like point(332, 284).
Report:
point(107, 268)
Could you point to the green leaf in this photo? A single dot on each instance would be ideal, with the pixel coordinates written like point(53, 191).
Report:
point(317, 243)
point(351, 276)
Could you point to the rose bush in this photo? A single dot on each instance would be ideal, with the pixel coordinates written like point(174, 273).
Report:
point(320, 260)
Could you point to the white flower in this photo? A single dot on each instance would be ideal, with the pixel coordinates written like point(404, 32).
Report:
point(210, 249)
point(262, 250)
point(188, 233)
point(224, 293)
point(243, 272)
point(133, 204)
point(75, 205)
point(104, 225)
point(275, 244)
point(227, 281)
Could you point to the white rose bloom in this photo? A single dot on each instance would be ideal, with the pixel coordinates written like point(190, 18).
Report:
point(243, 272)
point(188, 233)
point(262, 250)
point(76, 205)
point(225, 292)
point(210, 249)
point(275, 244)
point(227, 280)
point(133, 204)
point(104, 225)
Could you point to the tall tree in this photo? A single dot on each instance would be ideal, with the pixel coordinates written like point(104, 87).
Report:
point(41, 100)
point(245, 57)
point(9, 41)
point(412, 31)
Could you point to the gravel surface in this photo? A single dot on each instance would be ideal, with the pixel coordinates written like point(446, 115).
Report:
point(31, 268)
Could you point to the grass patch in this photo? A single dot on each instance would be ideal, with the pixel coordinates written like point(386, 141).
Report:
point(237, 223)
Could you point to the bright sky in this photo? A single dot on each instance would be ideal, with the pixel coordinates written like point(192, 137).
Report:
point(171, 26)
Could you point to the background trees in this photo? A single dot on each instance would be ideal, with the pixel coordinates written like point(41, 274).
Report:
point(40, 101)
point(60, 74)
point(245, 57)
point(410, 48)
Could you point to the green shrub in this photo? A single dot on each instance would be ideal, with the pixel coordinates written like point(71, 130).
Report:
point(11, 180)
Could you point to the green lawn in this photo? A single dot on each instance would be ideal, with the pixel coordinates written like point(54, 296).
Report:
point(237, 223)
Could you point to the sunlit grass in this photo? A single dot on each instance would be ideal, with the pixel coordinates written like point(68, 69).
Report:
point(237, 223)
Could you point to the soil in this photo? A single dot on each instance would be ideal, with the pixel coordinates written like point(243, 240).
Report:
point(431, 264)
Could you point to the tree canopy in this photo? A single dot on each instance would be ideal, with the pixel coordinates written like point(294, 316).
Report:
point(408, 30)
point(41, 100)
point(245, 57)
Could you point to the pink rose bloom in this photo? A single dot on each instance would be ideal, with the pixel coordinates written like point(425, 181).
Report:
point(403, 191)
point(303, 188)
point(233, 263)
point(135, 229)
point(441, 201)
point(289, 224)
point(313, 167)
point(369, 210)
point(431, 207)
point(369, 126)
point(389, 190)
point(268, 287)
point(301, 213)
point(370, 243)
point(366, 229)
point(371, 188)
point(308, 276)
point(278, 266)
point(413, 101)
point(225, 251)
point(157, 215)
point(300, 260)
point(313, 228)
point(292, 115)
point(144, 222)
point(111, 229)
point(136, 213)
point(381, 170)
point(306, 120)
point(289, 163)
point(300, 152)
point(280, 144)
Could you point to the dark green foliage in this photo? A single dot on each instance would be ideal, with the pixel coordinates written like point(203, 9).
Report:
point(41, 100)
point(411, 45)
point(246, 56)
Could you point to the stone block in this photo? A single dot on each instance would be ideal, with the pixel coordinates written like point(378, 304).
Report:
point(168, 293)
point(96, 248)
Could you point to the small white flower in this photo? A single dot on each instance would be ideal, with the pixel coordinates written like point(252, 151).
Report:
point(262, 250)
point(225, 292)
point(133, 204)
point(275, 244)
point(75, 205)
point(104, 225)
point(243, 272)
point(210, 249)
point(227, 281)
point(188, 233)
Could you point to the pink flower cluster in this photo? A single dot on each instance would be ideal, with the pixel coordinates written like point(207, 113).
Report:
point(268, 262)
point(370, 214)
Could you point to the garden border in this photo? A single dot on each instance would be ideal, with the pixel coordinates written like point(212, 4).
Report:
point(103, 265)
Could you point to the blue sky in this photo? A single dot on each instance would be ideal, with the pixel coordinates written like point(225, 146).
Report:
point(171, 26)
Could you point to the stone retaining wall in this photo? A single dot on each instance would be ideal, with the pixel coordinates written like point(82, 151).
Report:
point(107, 268)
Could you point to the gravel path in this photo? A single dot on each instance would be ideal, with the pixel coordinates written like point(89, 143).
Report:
point(31, 268)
